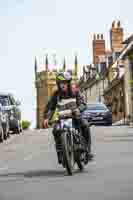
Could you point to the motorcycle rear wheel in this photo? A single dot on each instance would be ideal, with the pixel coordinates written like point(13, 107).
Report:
point(79, 161)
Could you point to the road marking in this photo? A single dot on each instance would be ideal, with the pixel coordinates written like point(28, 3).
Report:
point(29, 157)
point(4, 168)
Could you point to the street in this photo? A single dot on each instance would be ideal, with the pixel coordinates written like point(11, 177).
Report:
point(29, 168)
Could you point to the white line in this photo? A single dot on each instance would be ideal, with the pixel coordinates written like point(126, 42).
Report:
point(29, 157)
point(4, 168)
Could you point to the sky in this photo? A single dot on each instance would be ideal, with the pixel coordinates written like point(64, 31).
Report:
point(30, 28)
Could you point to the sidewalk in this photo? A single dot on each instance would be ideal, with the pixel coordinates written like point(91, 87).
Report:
point(122, 122)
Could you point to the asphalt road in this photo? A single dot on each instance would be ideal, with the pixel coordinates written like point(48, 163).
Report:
point(29, 169)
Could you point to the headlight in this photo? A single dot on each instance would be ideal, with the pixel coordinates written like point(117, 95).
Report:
point(3, 118)
point(11, 117)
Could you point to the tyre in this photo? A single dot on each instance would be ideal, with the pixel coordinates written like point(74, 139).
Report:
point(68, 154)
point(109, 124)
point(18, 128)
point(1, 135)
point(6, 131)
point(79, 161)
point(5, 135)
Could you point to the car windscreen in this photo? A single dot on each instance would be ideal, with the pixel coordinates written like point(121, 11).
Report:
point(96, 107)
point(4, 100)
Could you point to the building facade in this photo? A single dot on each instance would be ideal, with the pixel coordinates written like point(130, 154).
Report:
point(107, 79)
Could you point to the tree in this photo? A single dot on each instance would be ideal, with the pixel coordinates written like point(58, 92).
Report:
point(25, 124)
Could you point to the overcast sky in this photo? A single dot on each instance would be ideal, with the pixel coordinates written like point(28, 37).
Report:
point(30, 28)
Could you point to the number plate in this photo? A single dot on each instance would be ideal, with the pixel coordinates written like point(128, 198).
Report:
point(66, 123)
point(97, 118)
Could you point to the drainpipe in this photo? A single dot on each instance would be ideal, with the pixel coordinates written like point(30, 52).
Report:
point(130, 57)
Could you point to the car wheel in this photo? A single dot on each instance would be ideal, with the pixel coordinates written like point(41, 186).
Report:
point(18, 128)
point(6, 131)
point(109, 124)
point(2, 135)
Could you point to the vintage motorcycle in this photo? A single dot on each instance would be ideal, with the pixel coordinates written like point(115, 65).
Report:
point(73, 147)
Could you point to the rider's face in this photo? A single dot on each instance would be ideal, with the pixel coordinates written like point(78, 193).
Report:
point(63, 86)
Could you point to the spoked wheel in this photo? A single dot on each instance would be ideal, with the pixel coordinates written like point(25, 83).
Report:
point(68, 154)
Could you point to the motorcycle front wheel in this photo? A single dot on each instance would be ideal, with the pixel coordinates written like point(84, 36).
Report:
point(68, 154)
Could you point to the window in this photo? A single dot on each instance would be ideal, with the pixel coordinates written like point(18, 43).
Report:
point(4, 100)
point(110, 60)
point(96, 107)
point(117, 54)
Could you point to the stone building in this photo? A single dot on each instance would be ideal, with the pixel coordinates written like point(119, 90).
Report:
point(119, 94)
point(92, 84)
point(127, 58)
point(45, 83)
point(94, 78)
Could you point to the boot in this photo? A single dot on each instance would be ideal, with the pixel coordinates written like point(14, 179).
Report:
point(59, 156)
point(58, 150)
point(89, 154)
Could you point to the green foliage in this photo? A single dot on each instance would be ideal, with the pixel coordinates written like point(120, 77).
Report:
point(25, 124)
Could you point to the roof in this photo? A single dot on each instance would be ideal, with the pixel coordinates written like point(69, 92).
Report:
point(5, 93)
point(128, 48)
point(128, 40)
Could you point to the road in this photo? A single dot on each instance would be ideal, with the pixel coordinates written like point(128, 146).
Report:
point(29, 169)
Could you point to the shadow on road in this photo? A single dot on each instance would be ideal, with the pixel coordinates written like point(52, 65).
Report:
point(38, 173)
point(35, 173)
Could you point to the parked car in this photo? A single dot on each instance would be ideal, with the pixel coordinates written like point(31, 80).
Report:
point(4, 124)
point(97, 114)
point(1, 131)
point(11, 107)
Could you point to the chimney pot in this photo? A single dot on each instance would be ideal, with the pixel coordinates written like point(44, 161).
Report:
point(119, 24)
point(113, 24)
point(98, 36)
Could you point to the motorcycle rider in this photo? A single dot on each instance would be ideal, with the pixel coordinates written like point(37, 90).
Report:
point(67, 90)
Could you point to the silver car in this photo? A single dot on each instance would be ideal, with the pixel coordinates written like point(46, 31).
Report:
point(4, 124)
point(11, 107)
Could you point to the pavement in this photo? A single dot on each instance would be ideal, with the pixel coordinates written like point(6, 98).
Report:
point(122, 122)
point(29, 168)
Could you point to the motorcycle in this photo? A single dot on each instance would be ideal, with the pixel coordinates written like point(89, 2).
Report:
point(72, 147)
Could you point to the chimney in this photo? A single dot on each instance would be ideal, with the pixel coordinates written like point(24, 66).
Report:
point(94, 38)
point(98, 45)
point(116, 37)
point(113, 24)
